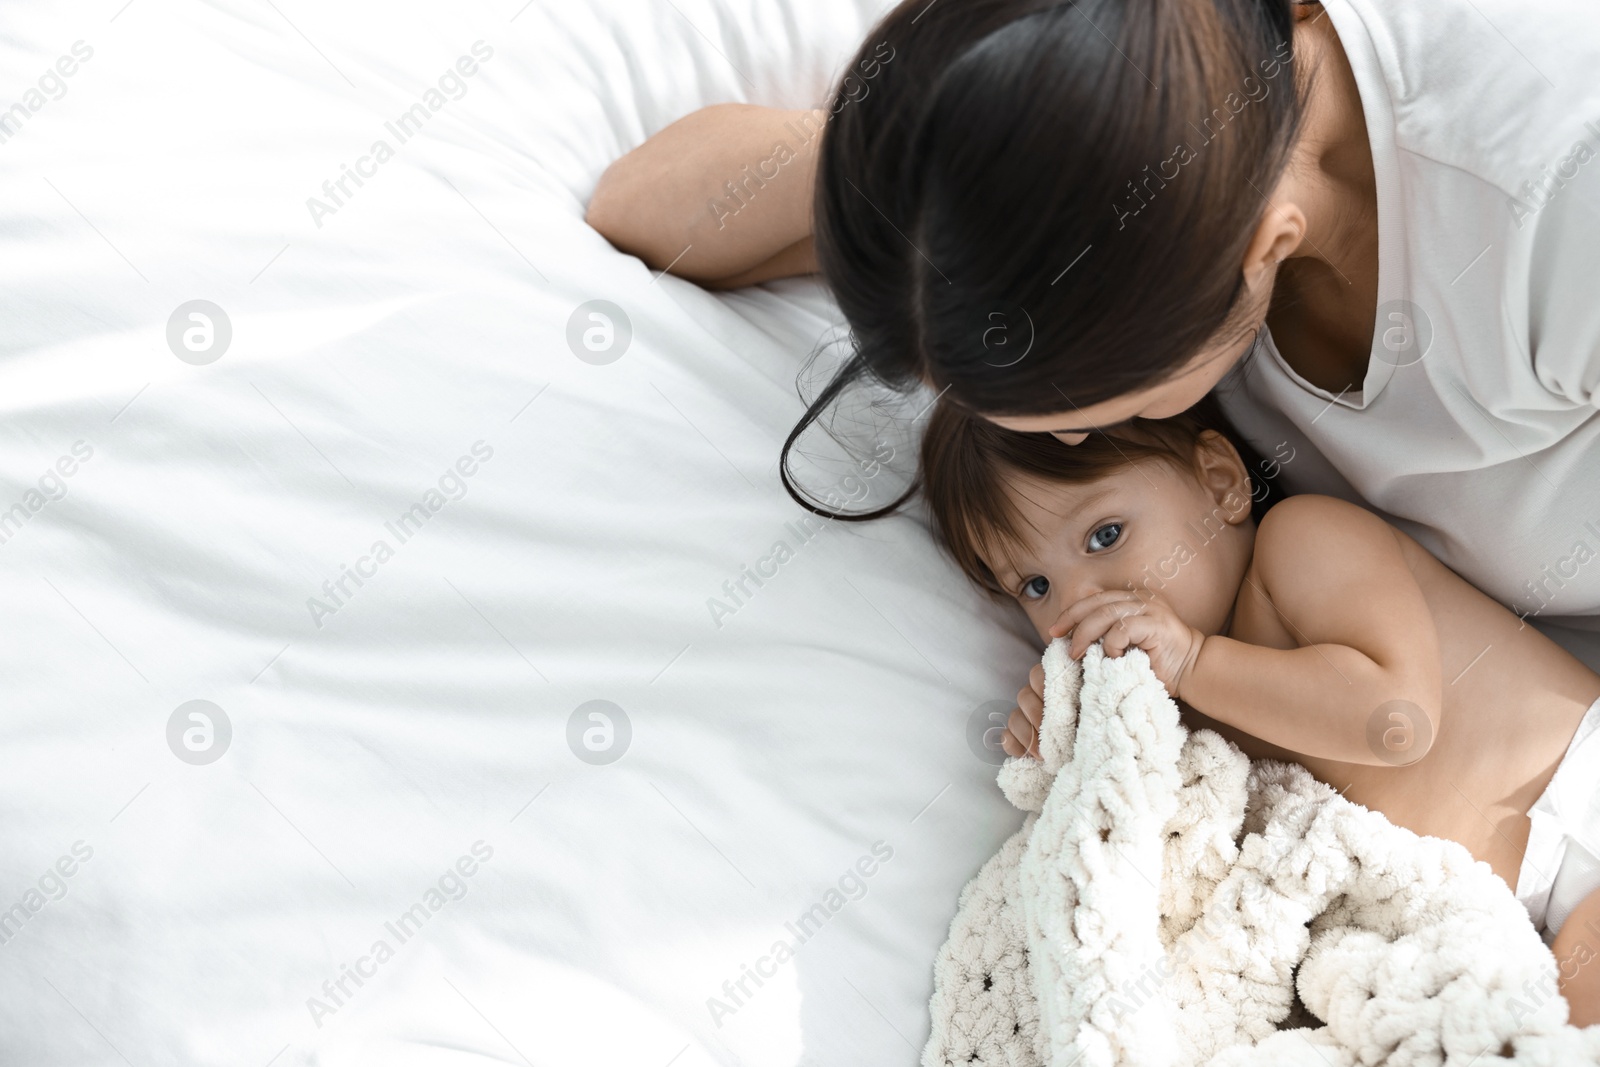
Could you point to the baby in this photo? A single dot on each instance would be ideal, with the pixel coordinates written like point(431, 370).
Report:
point(1303, 629)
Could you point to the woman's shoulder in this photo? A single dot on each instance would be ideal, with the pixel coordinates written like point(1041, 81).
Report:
point(1491, 87)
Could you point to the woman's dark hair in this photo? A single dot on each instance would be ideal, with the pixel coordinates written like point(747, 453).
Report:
point(1077, 178)
point(965, 461)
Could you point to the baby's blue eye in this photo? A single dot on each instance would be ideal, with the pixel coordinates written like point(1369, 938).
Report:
point(1105, 536)
point(1034, 585)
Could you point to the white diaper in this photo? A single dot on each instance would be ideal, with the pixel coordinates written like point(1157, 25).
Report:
point(1560, 866)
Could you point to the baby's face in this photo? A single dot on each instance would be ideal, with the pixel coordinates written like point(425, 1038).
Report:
point(1147, 528)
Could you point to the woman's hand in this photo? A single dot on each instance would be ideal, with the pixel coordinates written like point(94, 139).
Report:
point(1121, 619)
point(1022, 729)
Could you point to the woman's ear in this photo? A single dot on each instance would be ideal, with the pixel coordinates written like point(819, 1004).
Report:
point(1278, 235)
point(1223, 475)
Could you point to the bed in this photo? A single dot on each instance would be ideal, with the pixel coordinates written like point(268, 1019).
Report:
point(367, 700)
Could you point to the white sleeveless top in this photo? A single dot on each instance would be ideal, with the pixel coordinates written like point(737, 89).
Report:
point(1475, 429)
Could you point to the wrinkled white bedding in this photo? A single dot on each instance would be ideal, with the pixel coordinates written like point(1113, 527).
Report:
point(398, 857)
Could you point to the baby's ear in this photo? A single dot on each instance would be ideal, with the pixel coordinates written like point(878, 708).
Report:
point(1221, 471)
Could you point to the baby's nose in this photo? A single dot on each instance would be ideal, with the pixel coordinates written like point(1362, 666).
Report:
point(1081, 589)
point(1105, 585)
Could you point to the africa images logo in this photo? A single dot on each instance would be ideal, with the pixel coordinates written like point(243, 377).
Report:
point(405, 126)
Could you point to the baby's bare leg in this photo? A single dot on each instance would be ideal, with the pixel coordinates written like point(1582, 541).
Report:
point(1578, 960)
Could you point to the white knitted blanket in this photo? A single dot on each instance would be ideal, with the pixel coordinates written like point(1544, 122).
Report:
point(1170, 902)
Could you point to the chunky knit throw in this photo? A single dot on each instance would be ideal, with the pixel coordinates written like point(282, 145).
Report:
point(1167, 901)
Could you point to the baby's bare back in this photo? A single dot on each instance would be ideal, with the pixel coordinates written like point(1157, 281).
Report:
point(1512, 701)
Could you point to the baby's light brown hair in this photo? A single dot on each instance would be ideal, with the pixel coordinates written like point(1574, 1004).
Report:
point(965, 458)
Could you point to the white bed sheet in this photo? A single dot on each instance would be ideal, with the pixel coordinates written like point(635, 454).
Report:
point(430, 710)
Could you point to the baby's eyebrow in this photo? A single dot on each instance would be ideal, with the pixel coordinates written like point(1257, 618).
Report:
point(1088, 501)
point(1004, 574)
point(1011, 579)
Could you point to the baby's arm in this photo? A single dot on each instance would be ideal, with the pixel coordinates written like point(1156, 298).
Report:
point(1341, 586)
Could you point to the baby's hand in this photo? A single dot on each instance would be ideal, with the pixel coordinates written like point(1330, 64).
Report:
point(1022, 729)
point(1120, 619)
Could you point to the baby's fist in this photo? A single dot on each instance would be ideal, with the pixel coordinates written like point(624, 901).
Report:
point(1121, 619)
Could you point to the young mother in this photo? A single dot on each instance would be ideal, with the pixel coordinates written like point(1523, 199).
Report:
point(1375, 224)
point(1372, 226)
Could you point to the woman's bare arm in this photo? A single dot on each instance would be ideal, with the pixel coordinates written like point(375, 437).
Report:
point(721, 197)
point(798, 258)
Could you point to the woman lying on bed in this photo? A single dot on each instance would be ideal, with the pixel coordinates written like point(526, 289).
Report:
point(1373, 227)
point(1320, 635)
